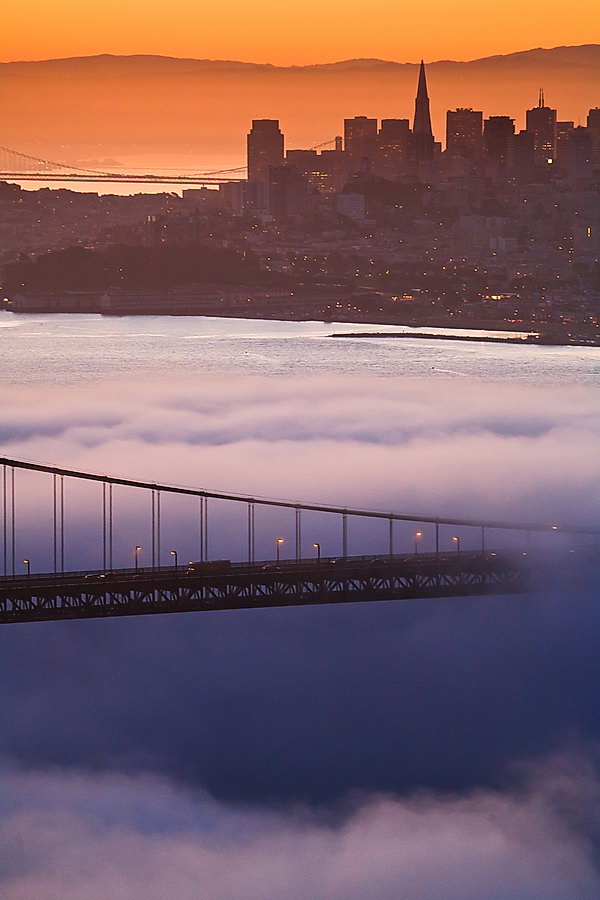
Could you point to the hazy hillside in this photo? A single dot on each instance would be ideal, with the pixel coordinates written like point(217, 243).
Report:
point(187, 110)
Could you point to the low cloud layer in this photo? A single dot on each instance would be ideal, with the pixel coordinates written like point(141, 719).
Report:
point(69, 836)
point(399, 444)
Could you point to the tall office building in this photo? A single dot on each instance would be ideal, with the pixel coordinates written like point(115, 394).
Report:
point(395, 134)
point(522, 157)
point(423, 140)
point(563, 130)
point(360, 143)
point(265, 149)
point(593, 124)
point(580, 153)
point(464, 132)
point(393, 147)
point(541, 123)
point(498, 134)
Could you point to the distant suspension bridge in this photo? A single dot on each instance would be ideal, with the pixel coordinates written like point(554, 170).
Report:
point(440, 557)
point(17, 166)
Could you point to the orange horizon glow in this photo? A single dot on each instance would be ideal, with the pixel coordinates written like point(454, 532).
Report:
point(267, 31)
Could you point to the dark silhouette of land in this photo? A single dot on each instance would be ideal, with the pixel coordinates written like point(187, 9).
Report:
point(130, 268)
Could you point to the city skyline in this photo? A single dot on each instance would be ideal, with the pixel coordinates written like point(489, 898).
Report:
point(398, 152)
point(88, 109)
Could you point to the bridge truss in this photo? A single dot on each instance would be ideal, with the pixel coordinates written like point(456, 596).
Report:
point(307, 583)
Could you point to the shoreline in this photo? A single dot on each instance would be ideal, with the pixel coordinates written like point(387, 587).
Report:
point(529, 341)
point(529, 338)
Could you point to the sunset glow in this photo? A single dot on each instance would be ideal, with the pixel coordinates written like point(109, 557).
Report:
point(267, 31)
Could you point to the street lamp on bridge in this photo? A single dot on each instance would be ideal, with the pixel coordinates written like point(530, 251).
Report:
point(418, 534)
point(28, 564)
point(317, 547)
point(278, 544)
point(174, 555)
point(457, 542)
point(136, 554)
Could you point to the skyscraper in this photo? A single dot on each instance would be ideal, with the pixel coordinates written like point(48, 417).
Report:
point(541, 123)
point(593, 124)
point(563, 131)
point(393, 147)
point(360, 142)
point(498, 134)
point(522, 156)
point(464, 132)
point(580, 153)
point(423, 141)
point(265, 149)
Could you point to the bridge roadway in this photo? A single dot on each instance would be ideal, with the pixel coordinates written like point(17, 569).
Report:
point(119, 178)
point(221, 585)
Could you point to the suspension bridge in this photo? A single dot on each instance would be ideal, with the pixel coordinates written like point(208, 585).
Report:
point(421, 557)
point(17, 166)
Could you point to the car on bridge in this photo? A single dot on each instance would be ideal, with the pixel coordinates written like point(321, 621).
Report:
point(212, 567)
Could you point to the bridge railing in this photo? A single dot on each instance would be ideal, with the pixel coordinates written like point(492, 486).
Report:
point(228, 567)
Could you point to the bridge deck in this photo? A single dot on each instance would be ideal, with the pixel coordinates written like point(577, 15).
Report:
point(223, 585)
point(119, 178)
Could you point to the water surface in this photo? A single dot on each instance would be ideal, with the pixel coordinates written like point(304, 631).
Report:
point(73, 348)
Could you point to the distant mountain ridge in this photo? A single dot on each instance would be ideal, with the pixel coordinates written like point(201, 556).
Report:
point(199, 111)
point(583, 53)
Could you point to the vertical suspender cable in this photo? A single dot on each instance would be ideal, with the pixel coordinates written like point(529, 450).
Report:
point(250, 532)
point(298, 534)
point(104, 526)
point(54, 523)
point(12, 517)
point(153, 528)
point(4, 523)
point(158, 528)
point(205, 529)
point(110, 526)
point(62, 523)
point(391, 537)
point(201, 528)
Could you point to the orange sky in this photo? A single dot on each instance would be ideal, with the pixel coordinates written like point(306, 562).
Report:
point(286, 33)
